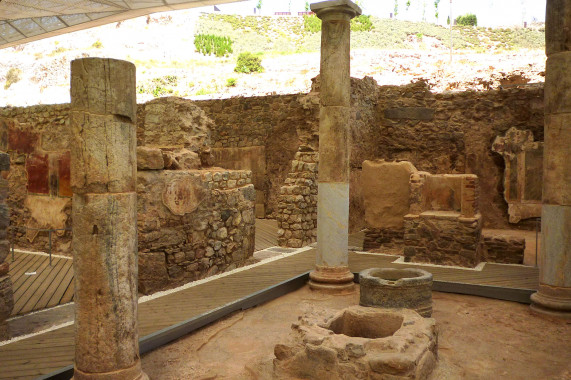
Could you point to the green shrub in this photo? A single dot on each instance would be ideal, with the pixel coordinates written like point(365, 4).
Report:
point(159, 86)
point(14, 75)
point(97, 45)
point(248, 63)
point(361, 23)
point(231, 82)
point(203, 91)
point(469, 19)
point(311, 24)
point(208, 44)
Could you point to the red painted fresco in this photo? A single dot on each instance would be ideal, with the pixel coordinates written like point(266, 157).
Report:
point(64, 175)
point(22, 141)
point(38, 170)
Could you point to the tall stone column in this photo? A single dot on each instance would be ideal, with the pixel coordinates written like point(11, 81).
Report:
point(554, 295)
point(103, 179)
point(6, 290)
point(332, 270)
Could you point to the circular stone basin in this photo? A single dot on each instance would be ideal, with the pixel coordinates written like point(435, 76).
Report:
point(391, 288)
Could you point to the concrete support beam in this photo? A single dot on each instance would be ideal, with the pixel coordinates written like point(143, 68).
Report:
point(103, 178)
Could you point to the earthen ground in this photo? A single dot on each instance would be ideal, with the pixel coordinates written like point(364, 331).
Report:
point(479, 339)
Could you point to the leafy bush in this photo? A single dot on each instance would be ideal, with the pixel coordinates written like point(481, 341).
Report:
point(469, 19)
point(231, 82)
point(248, 63)
point(97, 45)
point(311, 24)
point(14, 75)
point(208, 44)
point(361, 23)
point(159, 86)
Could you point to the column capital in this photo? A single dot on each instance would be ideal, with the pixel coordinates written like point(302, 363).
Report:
point(336, 9)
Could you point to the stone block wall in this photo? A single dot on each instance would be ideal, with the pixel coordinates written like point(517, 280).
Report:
point(192, 224)
point(385, 238)
point(444, 225)
point(297, 216)
point(6, 292)
point(443, 238)
point(386, 197)
point(39, 196)
point(503, 249)
point(267, 129)
point(449, 132)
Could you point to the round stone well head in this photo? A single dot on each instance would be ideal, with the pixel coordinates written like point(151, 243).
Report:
point(393, 288)
point(360, 343)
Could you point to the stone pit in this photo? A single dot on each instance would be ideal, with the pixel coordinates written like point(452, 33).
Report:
point(360, 343)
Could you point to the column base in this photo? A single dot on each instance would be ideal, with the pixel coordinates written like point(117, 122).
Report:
point(552, 301)
point(333, 280)
point(133, 373)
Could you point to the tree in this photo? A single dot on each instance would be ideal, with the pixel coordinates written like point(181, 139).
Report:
point(469, 19)
point(259, 6)
point(307, 6)
point(436, 3)
point(396, 7)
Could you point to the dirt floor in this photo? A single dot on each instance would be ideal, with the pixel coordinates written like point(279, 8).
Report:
point(479, 338)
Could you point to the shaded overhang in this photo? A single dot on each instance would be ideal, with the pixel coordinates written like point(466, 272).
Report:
point(24, 21)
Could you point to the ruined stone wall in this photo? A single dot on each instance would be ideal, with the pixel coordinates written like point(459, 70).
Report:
point(267, 131)
point(37, 139)
point(192, 224)
point(297, 216)
point(454, 132)
point(439, 133)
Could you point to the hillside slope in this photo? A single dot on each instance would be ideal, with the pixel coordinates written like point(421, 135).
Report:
point(162, 48)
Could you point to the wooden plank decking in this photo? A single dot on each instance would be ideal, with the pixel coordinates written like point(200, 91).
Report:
point(266, 234)
point(53, 285)
point(37, 285)
point(47, 352)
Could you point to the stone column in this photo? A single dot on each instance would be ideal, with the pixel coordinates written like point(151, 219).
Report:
point(6, 291)
point(554, 295)
point(332, 270)
point(103, 179)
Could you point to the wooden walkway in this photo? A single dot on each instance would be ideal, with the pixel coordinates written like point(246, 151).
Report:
point(50, 351)
point(53, 285)
point(266, 234)
point(37, 285)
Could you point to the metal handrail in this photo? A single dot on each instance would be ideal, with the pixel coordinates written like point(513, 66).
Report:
point(48, 230)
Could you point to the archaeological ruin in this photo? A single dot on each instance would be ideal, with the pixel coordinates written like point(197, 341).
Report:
point(129, 228)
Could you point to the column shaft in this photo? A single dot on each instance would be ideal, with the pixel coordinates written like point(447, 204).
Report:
point(104, 214)
point(554, 294)
point(332, 268)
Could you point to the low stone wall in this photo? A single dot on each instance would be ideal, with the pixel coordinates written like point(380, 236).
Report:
point(443, 237)
point(383, 238)
point(504, 249)
point(297, 207)
point(192, 224)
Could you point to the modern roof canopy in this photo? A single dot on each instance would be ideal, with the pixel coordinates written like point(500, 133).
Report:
point(29, 20)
